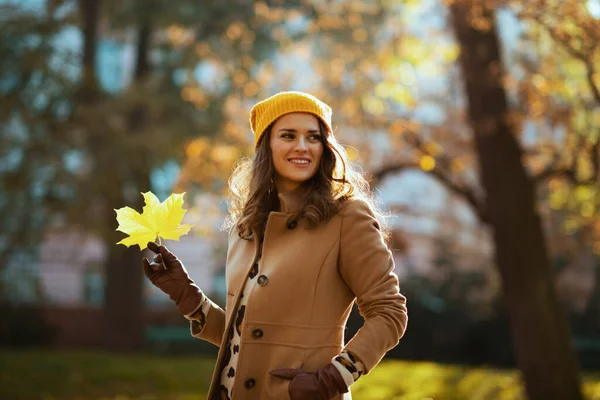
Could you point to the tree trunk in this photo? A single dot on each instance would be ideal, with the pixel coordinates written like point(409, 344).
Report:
point(538, 326)
point(592, 311)
point(124, 278)
point(90, 13)
point(123, 297)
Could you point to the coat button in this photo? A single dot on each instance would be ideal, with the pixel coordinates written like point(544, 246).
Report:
point(249, 384)
point(257, 333)
point(263, 280)
point(292, 224)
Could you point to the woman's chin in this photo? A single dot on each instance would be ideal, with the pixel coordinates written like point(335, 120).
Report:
point(298, 179)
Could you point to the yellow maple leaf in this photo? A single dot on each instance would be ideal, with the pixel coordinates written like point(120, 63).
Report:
point(156, 220)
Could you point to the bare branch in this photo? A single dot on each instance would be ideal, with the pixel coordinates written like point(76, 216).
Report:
point(468, 194)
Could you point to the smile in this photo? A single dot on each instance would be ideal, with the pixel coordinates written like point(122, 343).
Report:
point(299, 161)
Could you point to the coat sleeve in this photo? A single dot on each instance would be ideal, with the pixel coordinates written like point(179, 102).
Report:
point(207, 322)
point(367, 267)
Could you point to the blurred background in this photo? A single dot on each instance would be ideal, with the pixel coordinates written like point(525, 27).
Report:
point(101, 100)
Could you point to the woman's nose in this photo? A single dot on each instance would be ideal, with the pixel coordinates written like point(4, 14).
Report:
point(301, 144)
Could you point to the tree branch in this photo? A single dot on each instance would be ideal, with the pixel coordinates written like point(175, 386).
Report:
point(551, 172)
point(468, 194)
point(578, 54)
point(590, 78)
point(567, 172)
point(553, 169)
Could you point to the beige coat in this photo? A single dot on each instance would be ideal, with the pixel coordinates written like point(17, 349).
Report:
point(300, 311)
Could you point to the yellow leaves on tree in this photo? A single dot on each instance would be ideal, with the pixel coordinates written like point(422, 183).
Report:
point(156, 220)
point(209, 162)
point(427, 163)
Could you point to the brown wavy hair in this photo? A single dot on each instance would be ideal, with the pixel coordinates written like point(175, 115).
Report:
point(252, 195)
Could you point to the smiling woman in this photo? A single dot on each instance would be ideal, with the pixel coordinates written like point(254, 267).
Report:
point(304, 245)
point(297, 147)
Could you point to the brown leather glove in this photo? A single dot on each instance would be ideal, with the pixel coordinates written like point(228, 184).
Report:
point(172, 279)
point(320, 385)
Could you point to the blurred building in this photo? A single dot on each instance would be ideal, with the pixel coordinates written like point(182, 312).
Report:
point(71, 268)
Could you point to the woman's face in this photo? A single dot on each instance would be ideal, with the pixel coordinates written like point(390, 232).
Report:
point(296, 148)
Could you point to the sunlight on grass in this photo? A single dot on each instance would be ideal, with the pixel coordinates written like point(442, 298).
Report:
point(87, 375)
point(401, 380)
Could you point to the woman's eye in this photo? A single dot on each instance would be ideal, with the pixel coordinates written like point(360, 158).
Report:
point(310, 137)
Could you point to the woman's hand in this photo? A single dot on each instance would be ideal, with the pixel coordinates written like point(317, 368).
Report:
point(172, 279)
point(321, 385)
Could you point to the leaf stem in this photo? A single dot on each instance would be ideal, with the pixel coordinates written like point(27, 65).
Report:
point(163, 261)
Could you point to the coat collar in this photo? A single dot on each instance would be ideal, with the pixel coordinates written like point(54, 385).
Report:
point(292, 201)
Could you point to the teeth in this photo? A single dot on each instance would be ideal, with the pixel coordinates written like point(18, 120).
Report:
point(299, 161)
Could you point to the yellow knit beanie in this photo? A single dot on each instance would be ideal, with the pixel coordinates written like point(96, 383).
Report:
point(264, 113)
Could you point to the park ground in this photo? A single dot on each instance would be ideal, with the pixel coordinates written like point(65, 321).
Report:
point(93, 375)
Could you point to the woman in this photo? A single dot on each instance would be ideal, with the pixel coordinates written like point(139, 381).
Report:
point(304, 244)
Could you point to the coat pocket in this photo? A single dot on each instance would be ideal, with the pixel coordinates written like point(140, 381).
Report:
point(280, 357)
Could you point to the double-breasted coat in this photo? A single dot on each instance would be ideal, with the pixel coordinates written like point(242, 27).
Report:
point(311, 278)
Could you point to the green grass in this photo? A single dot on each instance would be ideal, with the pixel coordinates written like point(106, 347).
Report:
point(89, 375)
point(71, 375)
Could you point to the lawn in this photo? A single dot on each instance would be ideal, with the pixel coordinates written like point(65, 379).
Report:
point(87, 375)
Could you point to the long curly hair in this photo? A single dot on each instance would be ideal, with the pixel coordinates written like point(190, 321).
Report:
point(252, 195)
